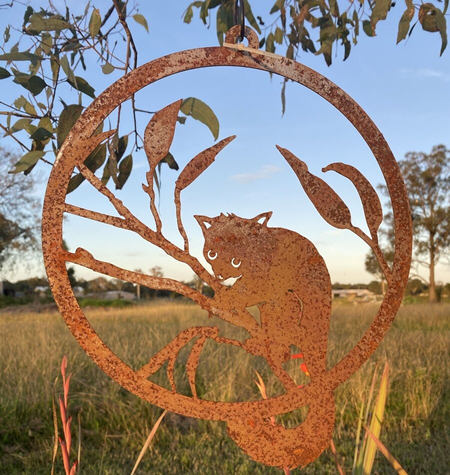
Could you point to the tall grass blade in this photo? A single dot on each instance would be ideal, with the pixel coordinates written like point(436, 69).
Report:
point(376, 421)
point(147, 442)
point(359, 464)
point(79, 440)
point(383, 449)
point(358, 436)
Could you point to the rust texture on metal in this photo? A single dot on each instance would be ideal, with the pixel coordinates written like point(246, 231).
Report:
point(278, 270)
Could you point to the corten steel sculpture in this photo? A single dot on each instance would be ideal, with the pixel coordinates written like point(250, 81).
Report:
point(276, 269)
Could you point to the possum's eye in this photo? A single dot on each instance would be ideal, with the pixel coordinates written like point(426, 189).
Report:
point(235, 264)
point(212, 255)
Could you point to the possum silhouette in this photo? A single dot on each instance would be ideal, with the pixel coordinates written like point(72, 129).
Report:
point(282, 273)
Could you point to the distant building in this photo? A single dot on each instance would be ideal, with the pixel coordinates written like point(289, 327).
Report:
point(117, 295)
point(360, 295)
point(41, 290)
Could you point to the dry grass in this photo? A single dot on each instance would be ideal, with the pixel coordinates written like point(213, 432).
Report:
point(116, 424)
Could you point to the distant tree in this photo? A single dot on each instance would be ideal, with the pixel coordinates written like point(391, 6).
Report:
point(156, 271)
point(19, 214)
point(415, 287)
point(427, 179)
point(371, 265)
point(375, 287)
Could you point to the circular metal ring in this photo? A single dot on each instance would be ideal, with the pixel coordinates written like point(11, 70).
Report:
point(73, 151)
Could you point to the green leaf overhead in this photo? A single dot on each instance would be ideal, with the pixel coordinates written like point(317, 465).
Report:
point(171, 162)
point(379, 12)
point(202, 112)
point(125, 168)
point(224, 20)
point(107, 68)
point(67, 119)
point(34, 84)
point(441, 23)
point(138, 18)
point(28, 160)
point(4, 73)
point(20, 56)
point(74, 182)
point(95, 22)
point(405, 21)
point(250, 17)
point(82, 85)
point(38, 23)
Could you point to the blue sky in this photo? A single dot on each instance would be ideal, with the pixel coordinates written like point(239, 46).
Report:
point(404, 89)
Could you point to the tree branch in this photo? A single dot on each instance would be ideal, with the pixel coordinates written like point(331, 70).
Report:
point(86, 259)
point(137, 226)
point(94, 215)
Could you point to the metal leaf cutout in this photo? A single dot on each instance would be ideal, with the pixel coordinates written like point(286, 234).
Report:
point(329, 205)
point(159, 134)
point(369, 197)
point(200, 163)
point(158, 138)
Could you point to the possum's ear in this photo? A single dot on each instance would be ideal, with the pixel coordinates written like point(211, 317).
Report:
point(204, 222)
point(263, 218)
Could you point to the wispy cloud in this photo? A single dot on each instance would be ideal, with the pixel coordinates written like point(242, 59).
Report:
point(427, 73)
point(265, 171)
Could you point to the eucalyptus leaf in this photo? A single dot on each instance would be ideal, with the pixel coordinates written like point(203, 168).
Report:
point(125, 168)
point(95, 22)
point(138, 18)
point(28, 160)
point(82, 85)
point(4, 73)
point(38, 23)
point(170, 160)
point(19, 56)
point(202, 112)
point(21, 124)
point(75, 182)
point(34, 84)
point(405, 20)
point(67, 119)
point(41, 134)
point(442, 27)
point(107, 68)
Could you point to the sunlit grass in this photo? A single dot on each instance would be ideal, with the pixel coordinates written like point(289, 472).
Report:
point(115, 424)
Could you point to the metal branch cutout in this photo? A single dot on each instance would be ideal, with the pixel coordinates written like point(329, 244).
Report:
point(275, 269)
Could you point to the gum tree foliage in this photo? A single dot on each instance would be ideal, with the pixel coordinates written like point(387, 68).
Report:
point(54, 57)
point(427, 178)
point(320, 26)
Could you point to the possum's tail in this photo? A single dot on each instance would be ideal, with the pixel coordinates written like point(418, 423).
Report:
point(274, 445)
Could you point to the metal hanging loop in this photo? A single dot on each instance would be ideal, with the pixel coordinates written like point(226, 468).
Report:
point(232, 36)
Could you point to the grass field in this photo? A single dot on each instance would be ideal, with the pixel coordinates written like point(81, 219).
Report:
point(115, 424)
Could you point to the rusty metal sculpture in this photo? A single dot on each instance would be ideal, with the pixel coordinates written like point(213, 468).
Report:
point(276, 269)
